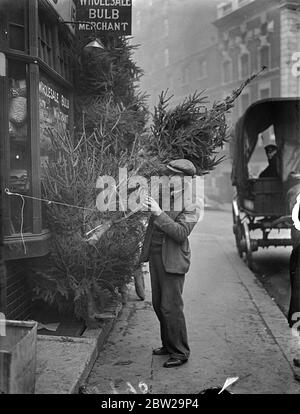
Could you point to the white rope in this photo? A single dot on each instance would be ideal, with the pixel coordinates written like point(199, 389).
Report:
point(8, 192)
point(22, 223)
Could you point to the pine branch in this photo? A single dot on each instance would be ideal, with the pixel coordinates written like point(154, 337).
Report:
point(191, 130)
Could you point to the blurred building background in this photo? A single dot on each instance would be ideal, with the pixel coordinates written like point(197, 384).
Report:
point(189, 45)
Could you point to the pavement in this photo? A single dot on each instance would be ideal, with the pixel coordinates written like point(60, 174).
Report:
point(235, 330)
point(64, 363)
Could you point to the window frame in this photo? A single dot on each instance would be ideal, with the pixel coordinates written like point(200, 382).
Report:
point(53, 42)
point(13, 241)
point(26, 26)
point(37, 242)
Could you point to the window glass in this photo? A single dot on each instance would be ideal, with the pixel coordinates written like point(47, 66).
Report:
point(54, 121)
point(19, 181)
point(16, 12)
point(16, 37)
point(16, 18)
point(54, 115)
point(54, 49)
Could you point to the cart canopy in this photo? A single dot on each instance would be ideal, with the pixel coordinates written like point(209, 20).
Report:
point(284, 115)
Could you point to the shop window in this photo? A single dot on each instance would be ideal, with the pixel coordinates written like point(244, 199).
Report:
point(54, 106)
point(16, 25)
point(19, 145)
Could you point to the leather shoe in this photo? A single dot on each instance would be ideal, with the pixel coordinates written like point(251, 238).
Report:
point(160, 351)
point(174, 362)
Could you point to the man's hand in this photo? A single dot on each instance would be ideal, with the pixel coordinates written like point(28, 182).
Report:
point(152, 204)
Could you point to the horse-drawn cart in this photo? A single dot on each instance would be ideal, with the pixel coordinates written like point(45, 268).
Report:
point(266, 203)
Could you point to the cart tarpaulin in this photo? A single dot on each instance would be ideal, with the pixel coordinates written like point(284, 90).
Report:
point(284, 115)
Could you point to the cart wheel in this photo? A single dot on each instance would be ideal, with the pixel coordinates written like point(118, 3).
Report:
point(237, 228)
point(248, 248)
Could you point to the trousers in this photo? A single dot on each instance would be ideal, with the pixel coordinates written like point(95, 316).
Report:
point(167, 302)
point(294, 278)
point(295, 285)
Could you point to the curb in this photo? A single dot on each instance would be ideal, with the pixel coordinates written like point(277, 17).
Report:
point(74, 356)
point(100, 336)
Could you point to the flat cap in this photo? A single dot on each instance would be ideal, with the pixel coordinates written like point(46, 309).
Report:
point(182, 166)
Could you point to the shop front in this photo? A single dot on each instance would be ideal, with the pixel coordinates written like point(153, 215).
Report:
point(35, 102)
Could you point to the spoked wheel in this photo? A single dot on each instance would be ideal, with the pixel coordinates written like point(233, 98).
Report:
point(237, 228)
point(247, 248)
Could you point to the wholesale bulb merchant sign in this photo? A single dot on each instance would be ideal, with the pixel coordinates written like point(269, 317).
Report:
point(113, 16)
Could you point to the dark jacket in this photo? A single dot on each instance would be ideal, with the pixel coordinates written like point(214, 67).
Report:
point(177, 226)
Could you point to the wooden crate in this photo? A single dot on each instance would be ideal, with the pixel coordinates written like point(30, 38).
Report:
point(269, 197)
point(18, 358)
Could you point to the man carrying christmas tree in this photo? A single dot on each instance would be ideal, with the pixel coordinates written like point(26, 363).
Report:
point(166, 247)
